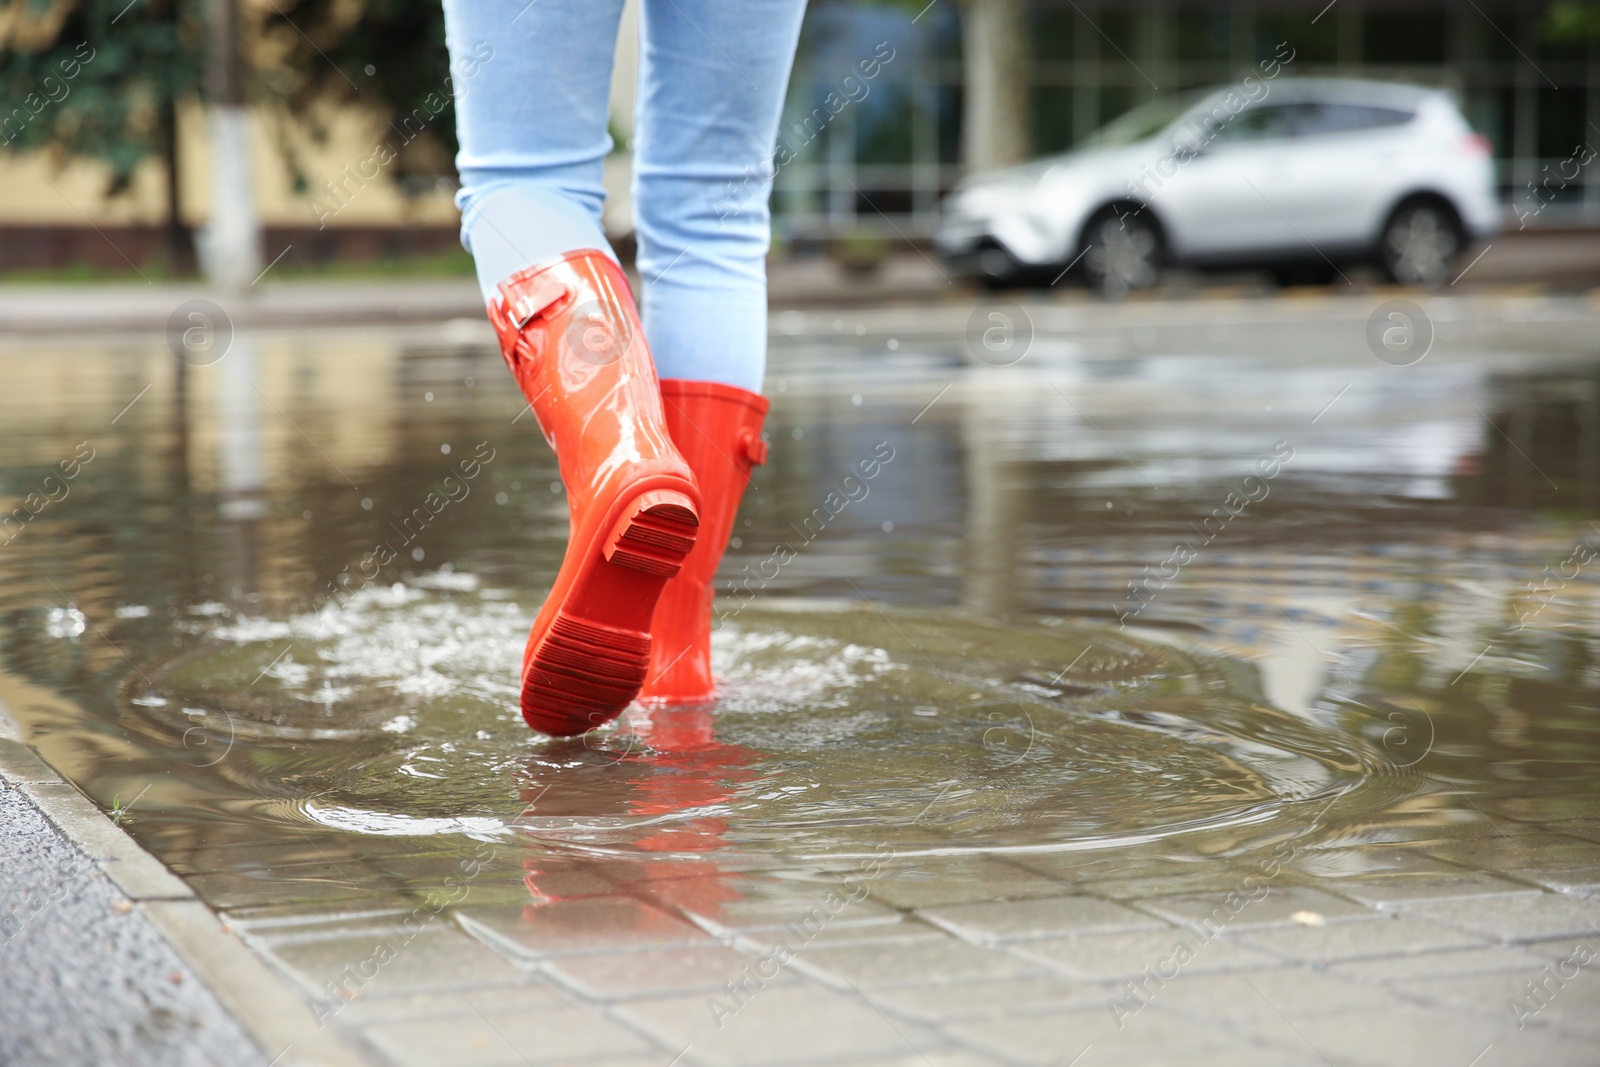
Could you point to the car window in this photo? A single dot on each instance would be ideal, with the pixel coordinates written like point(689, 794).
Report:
point(1315, 119)
point(1141, 123)
point(1267, 123)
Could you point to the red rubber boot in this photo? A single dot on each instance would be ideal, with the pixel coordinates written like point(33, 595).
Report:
point(571, 336)
point(718, 429)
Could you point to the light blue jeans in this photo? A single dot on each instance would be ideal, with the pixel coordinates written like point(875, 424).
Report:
point(532, 87)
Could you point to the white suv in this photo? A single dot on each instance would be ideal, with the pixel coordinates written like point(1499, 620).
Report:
point(1307, 177)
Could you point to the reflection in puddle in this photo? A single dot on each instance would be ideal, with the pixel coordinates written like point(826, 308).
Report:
point(1353, 668)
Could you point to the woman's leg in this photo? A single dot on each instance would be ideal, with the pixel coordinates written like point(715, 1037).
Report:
point(711, 86)
point(712, 79)
point(533, 137)
point(532, 84)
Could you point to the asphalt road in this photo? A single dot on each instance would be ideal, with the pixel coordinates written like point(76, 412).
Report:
point(85, 978)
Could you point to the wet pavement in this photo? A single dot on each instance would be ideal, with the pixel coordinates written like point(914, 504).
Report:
point(1202, 681)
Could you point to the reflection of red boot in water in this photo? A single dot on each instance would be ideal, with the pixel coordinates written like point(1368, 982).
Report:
point(685, 767)
point(572, 338)
point(717, 428)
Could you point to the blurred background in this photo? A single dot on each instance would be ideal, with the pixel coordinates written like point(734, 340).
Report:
point(116, 159)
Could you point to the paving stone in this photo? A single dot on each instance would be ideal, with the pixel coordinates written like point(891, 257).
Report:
point(1056, 1038)
point(917, 1059)
point(387, 962)
point(228, 890)
point(1568, 997)
point(1052, 916)
point(1213, 912)
point(292, 921)
point(1400, 1035)
point(1400, 970)
point(911, 962)
point(778, 1025)
point(1354, 940)
point(595, 924)
point(524, 997)
point(1243, 996)
point(1556, 948)
point(1077, 868)
point(770, 903)
point(1257, 1053)
point(1108, 957)
point(763, 940)
point(567, 881)
point(1189, 883)
point(1503, 854)
point(1522, 917)
point(1332, 866)
point(496, 1038)
point(1582, 880)
point(995, 996)
point(1391, 892)
point(1544, 1046)
point(660, 972)
point(245, 985)
point(944, 880)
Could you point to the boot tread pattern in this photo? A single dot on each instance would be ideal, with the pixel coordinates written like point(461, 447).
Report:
point(655, 540)
point(584, 672)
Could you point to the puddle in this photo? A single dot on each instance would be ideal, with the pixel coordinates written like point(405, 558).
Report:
point(1127, 607)
point(838, 725)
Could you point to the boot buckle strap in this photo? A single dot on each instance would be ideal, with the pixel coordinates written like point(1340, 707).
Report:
point(526, 300)
point(754, 448)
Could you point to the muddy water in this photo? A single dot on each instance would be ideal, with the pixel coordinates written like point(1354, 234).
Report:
point(1179, 585)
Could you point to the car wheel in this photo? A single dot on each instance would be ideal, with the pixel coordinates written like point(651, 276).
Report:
point(1122, 252)
point(1419, 244)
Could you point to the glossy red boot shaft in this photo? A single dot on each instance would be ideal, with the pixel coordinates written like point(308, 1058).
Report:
point(718, 431)
point(570, 334)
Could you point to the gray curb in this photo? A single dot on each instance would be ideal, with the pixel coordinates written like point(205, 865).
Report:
point(268, 1008)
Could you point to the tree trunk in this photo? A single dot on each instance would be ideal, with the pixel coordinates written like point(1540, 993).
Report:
point(180, 248)
point(995, 124)
point(232, 247)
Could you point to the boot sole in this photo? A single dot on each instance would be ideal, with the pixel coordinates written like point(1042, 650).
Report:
point(593, 658)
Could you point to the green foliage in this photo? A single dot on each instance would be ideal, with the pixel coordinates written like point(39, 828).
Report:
point(1572, 21)
point(101, 85)
point(145, 56)
point(322, 51)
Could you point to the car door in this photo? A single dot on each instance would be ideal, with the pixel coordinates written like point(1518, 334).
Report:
point(1342, 169)
point(1229, 174)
